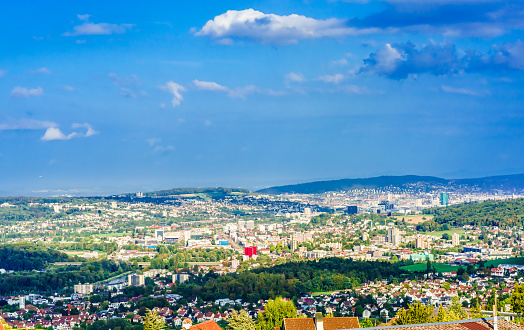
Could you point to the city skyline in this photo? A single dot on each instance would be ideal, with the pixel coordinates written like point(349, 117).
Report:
point(104, 99)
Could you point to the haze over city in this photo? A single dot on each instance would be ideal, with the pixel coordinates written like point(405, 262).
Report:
point(103, 98)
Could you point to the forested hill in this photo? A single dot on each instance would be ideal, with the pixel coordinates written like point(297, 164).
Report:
point(502, 182)
point(22, 256)
point(507, 213)
point(289, 280)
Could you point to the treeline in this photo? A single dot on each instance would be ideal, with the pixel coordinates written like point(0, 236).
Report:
point(289, 280)
point(19, 257)
point(51, 281)
point(505, 214)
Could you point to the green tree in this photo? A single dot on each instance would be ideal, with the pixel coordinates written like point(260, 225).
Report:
point(275, 312)
point(153, 322)
point(457, 309)
point(517, 300)
point(366, 323)
point(416, 313)
point(240, 321)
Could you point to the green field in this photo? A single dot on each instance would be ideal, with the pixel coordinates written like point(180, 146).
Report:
point(449, 232)
point(441, 268)
point(323, 293)
point(76, 253)
point(511, 261)
point(112, 234)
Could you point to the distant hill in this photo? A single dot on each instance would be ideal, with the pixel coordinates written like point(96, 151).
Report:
point(503, 182)
point(213, 192)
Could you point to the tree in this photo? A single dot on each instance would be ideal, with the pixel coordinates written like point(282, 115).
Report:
point(517, 300)
point(416, 313)
point(240, 321)
point(153, 322)
point(366, 323)
point(275, 312)
point(457, 309)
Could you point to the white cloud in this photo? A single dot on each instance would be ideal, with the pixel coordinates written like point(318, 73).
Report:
point(54, 133)
point(276, 29)
point(83, 17)
point(242, 92)
point(23, 92)
point(294, 77)
point(209, 86)
point(42, 70)
point(90, 131)
point(234, 92)
point(69, 88)
point(89, 28)
point(128, 80)
point(463, 91)
point(22, 124)
point(334, 79)
point(175, 89)
point(126, 92)
point(341, 62)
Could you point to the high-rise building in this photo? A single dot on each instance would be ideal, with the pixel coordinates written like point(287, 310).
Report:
point(180, 278)
point(419, 242)
point(250, 224)
point(136, 280)
point(394, 236)
point(159, 234)
point(444, 199)
point(307, 211)
point(455, 239)
point(83, 288)
point(353, 209)
point(241, 224)
point(21, 302)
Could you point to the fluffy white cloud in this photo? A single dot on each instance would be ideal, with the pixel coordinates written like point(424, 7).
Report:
point(334, 79)
point(270, 28)
point(89, 132)
point(175, 90)
point(54, 133)
point(209, 86)
point(23, 92)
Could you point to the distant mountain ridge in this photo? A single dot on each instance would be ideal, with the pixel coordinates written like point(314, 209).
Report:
point(514, 182)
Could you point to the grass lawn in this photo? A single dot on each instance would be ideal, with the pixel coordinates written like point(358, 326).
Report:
point(449, 232)
point(441, 268)
point(511, 261)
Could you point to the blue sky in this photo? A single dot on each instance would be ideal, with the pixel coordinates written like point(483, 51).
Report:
point(121, 96)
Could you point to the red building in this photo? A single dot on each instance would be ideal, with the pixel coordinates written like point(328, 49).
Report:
point(250, 251)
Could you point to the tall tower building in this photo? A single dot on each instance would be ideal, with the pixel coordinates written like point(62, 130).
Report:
point(455, 239)
point(444, 199)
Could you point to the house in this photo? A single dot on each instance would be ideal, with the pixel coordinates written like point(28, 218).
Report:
point(187, 323)
point(208, 325)
point(319, 322)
